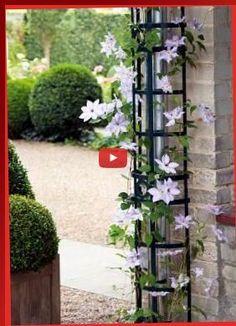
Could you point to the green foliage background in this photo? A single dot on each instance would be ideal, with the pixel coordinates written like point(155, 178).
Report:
point(18, 110)
point(78, 37)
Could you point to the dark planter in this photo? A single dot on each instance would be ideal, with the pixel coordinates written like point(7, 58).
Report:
point(35, 296)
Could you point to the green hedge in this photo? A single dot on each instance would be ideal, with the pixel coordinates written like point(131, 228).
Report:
point(78, 38)
point(56, 101)
point(18, 110)
point(18, 178)
point(33, 237)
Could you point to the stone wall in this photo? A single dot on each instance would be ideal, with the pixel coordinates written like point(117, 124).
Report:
point(212, 160)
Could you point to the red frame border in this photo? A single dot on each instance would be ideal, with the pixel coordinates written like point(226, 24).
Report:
point(5, 316)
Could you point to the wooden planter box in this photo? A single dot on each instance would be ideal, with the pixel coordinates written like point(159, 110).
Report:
point(35, 296)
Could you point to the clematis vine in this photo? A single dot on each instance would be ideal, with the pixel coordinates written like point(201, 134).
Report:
point(195, 24)
point(132, 147)
point(126, 77)
point(165, 85)
point(110, 47)
point(160, 188)
point(215, 209)
point(168, 55)
point(198, 271)
point(165, 191)
point(135, 258)
point(166, 165)
point(183, 222)
point(122, 217)
point(118, 124)
point(205, 113)
point(178, 20)
point(92, 110)
point(175, 114)
point(175, 42)
point(179, 282)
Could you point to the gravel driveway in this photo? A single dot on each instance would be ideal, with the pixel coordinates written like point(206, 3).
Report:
point(81, 196)
point(68, 180)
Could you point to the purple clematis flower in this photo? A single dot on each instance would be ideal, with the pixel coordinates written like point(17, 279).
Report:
point(135, 258)
point(195, 24)
point(166, 165)
point(175, 42)
point(118, 124)
point(124, 217)
point(205, 113)
point(178, 20)
point(109, 46)
point(180, 282)
point(198, 271)
point(164, 191)
point(168, 55)
point(165, 85)
point(126, 77)
point(183, 222)
point(215, 209)
point(133, 147)
point(173, 115)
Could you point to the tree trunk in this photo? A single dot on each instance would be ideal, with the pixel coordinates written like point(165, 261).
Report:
point(47, 50)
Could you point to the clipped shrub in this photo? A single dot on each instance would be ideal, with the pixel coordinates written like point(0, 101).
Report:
point(18, 109)
point(56, 100)
point(18, 178)
point(33, 236)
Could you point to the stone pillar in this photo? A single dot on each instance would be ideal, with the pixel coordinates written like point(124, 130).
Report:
point(211, 152)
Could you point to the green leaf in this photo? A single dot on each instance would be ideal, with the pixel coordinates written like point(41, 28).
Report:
point(125, 206)
point(148, 204)
point(151, 39)
point(184, 141)
point(116, 234)
point(148, 239)
point(123, 195)
point(201, 37)
point(189, 36)
point(145, 168)
point(201, 45)
point(158, 236)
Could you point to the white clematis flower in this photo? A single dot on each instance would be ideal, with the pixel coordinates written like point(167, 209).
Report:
point(173, 115)
point(166, 165)
point(92, 110)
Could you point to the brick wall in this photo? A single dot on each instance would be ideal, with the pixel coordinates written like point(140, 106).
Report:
point(212, 160)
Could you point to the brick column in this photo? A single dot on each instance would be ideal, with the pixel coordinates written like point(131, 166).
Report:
point(211, 152)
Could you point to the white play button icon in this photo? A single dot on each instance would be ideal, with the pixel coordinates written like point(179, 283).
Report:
point(112, 157)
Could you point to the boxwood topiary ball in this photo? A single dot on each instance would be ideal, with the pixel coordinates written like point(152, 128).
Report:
point(18, 179)
point(33, 236)
point(56, 100)
point(18, 109)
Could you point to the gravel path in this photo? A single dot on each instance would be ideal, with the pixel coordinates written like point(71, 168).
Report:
point(68, 180)
point(79, 307)
point(81, 196)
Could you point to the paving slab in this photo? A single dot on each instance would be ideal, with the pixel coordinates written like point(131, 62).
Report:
point(94, 268)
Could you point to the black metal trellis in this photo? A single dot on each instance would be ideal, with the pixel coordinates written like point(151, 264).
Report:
point(152, 134)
